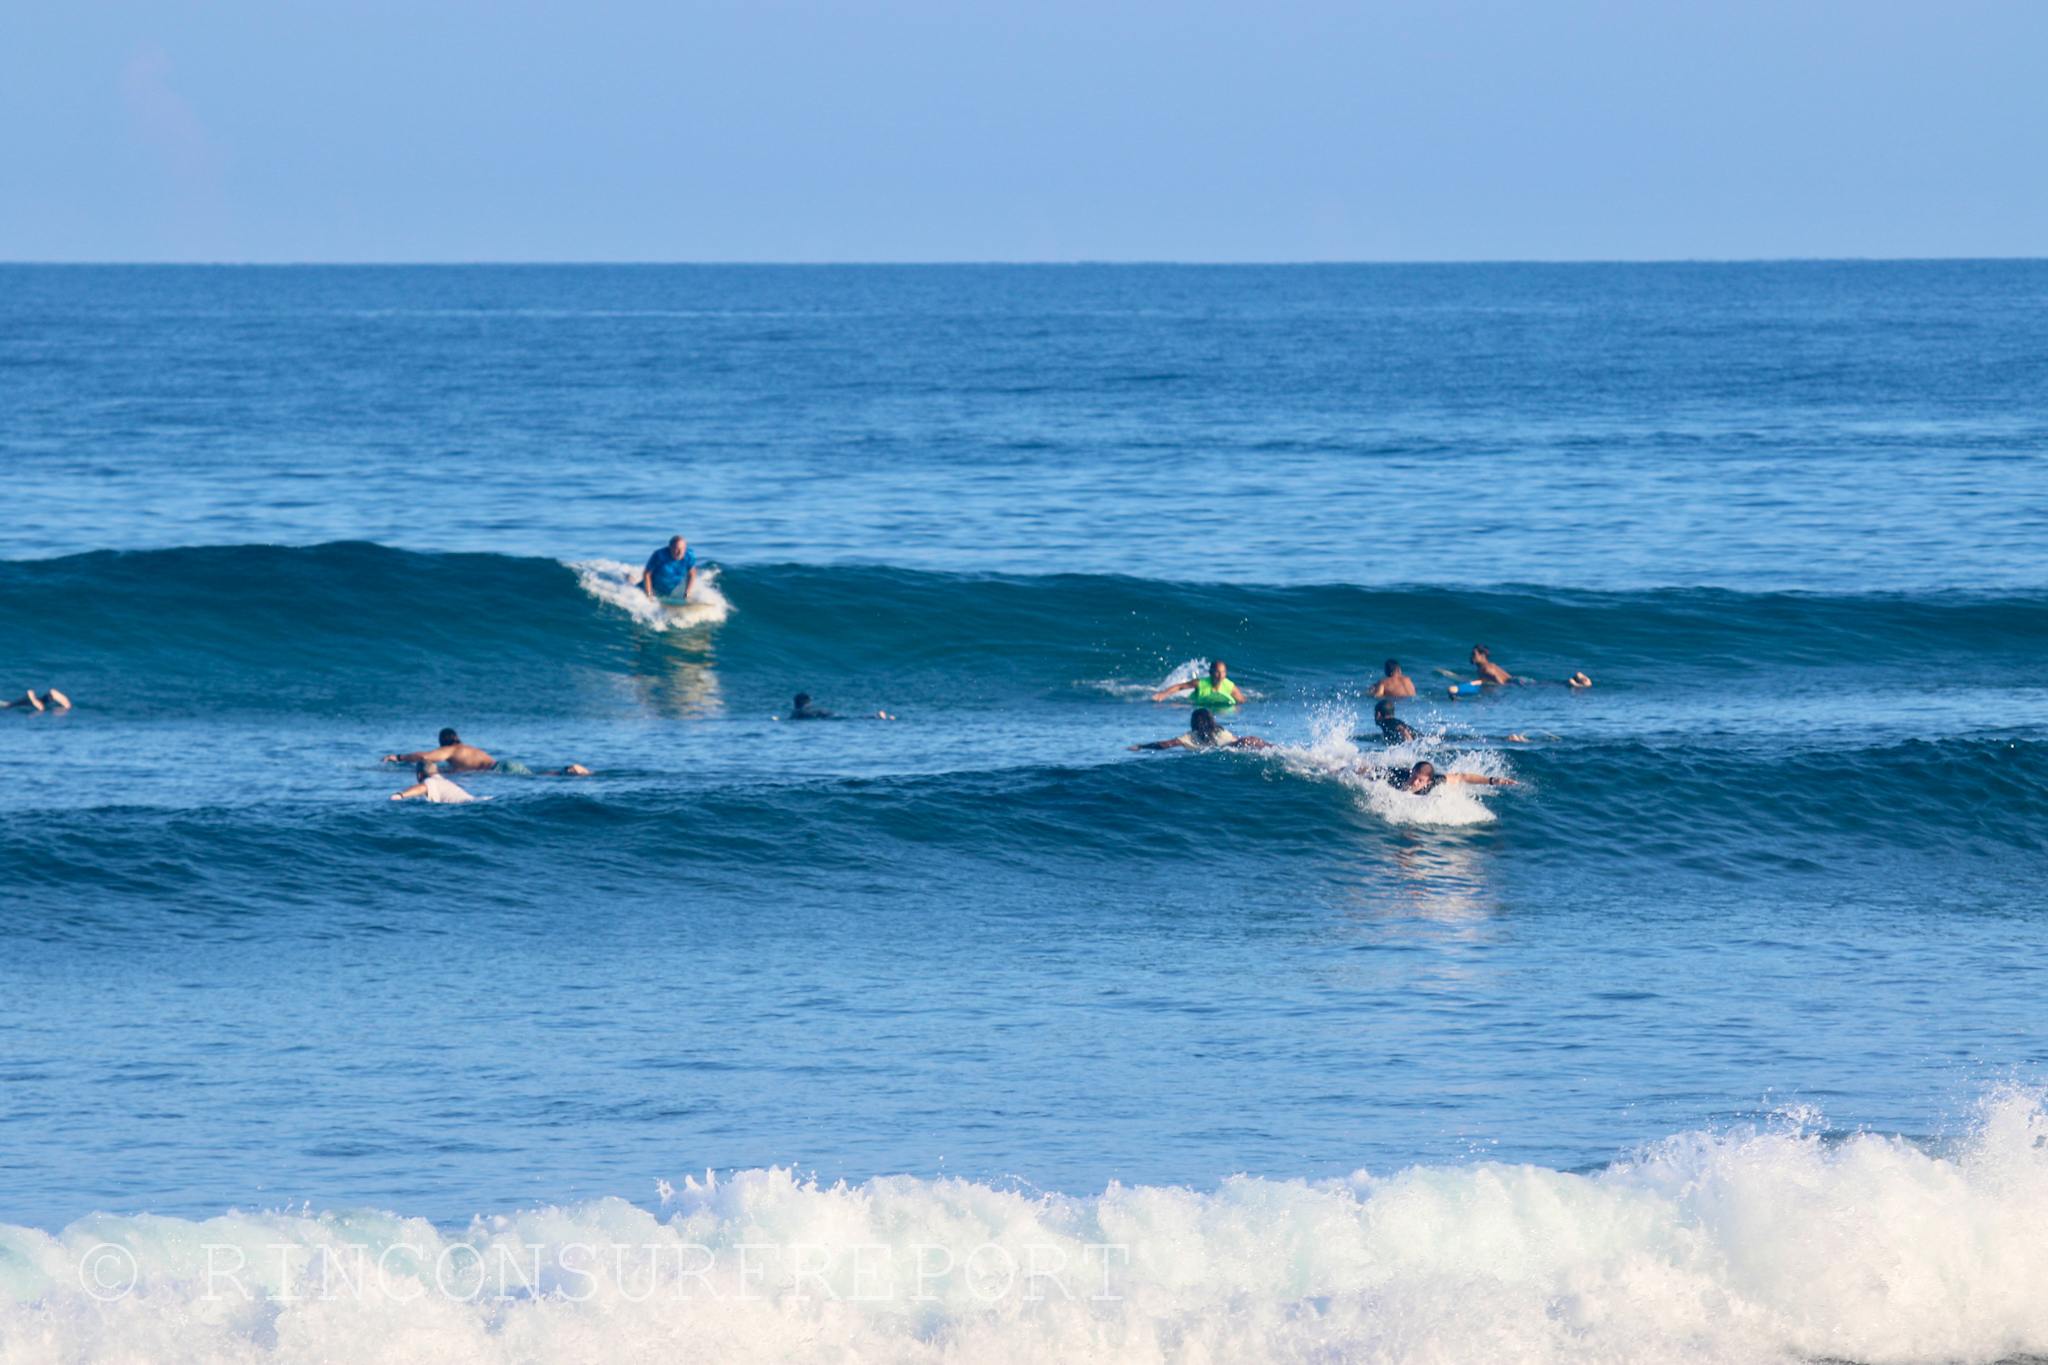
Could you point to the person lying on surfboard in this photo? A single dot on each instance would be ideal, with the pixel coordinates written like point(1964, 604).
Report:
point(1205, 733)
point(670, 567)
point(51, 699)
point(462, 758)
point(1424, 778)
point(1216, 690)
point(433, 787)
point(1395, 684)
point(803, 710)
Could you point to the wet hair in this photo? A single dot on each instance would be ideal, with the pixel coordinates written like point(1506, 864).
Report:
point(1393, 667)
point(803, 699)
point(1422, 769)
point(425, 768)
point(1482, 651)
point(450, 737)
point(1203, 724)
point(1215, 664)
point(1385, 709)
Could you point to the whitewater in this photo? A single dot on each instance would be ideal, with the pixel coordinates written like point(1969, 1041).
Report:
point(1774, 1244)
point(974, 1035)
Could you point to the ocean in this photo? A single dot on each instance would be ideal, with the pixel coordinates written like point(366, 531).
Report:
point(972, 1034)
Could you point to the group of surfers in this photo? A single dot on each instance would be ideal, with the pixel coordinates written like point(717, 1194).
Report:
point(1216, 692)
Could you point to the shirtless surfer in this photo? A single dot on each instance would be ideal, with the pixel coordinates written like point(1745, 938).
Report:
point(1395, 684)
point(51, 699)
point(1216, 690)
point(673, 565)
point(1205, 733)
point(1486, 668)
point(462, 758)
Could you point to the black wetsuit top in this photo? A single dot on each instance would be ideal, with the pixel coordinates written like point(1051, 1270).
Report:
point(1398, 778)
point(1395, 730)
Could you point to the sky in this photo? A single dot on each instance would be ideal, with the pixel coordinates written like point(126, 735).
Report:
point(1055, 130)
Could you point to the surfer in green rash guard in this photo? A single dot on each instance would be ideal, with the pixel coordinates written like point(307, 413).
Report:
point(1215, 691)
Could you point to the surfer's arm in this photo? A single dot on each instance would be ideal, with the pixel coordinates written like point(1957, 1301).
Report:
point(1477, 780)
point(440, 755)
point(647, 583)
point(416, 789)
point(1250, 742)
point(1176, 742)
point(689, 582)
point(1164, 693)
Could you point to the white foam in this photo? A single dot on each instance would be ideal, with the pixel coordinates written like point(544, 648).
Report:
point(1772, 1245)
point(618, 585)
point(1123, 687)
point(1332, 756)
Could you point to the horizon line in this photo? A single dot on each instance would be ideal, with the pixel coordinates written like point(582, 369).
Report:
point(1074, 263)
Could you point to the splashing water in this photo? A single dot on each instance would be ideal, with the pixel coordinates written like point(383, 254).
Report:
point(617, 584)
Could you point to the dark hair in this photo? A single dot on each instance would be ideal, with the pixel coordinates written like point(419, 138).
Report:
point(1385, 708)
point(1393, 667)
point(803, 699)
point(1203, 724)
point(1482, 651)
point(1215, 664)
point(450, 737)
point(1424, 764)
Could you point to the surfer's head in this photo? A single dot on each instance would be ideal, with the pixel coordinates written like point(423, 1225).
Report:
point(450, 737)
point(1421, 776)
point(676, 546)
point(1203, 724)
point(1393, 667)
point(1383, 711)
point(1479, 652)
point(1217, 670)
point(425, 769)
point(803, 699)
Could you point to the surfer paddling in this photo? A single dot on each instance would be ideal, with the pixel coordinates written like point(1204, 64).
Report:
point(1393, 729)
point(51, 700)
point(1216, 690)
point(674, 565)
point(432, 787)
point(803, 710)
point(1205, 733)
point(1423, 778)
point(462, 758)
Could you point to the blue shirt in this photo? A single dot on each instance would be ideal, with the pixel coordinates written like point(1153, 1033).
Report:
point(670, 574)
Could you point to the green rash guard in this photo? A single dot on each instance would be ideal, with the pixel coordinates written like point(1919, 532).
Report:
point(1209, 695)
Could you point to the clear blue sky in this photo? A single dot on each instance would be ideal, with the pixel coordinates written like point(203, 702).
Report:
point(906, 130)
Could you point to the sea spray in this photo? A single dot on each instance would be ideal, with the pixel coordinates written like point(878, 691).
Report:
point(1777, 1243)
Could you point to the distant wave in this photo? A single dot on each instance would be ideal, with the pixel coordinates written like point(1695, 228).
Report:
point(1774, 1244)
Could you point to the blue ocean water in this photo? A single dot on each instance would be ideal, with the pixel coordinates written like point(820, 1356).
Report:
point(1718, 1036)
